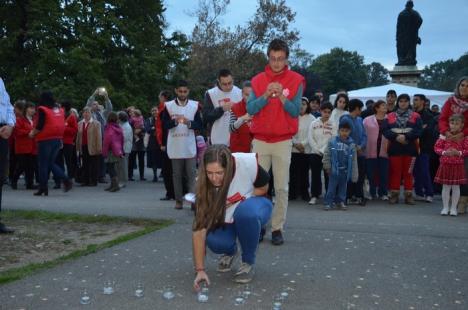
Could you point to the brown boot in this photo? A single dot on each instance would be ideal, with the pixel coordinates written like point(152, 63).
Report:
point(462, 204)
point(409, 198)
point(394, 196)
point(114, 185)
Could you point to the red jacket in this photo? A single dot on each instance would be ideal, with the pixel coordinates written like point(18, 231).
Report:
point(71, 128)
point(272, 123)
point(54, 125)
point(23, 143)
point(451, 107)
point(241, 139)
point(159, 127)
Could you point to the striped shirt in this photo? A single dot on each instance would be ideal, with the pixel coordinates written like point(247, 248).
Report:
point(7, 113)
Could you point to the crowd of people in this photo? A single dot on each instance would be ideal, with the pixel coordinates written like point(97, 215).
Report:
point(302, 147)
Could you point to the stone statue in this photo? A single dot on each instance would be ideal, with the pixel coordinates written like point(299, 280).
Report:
point(407, 37)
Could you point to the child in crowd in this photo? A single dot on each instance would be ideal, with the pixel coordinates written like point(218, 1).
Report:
point(451, 172)
point(340, 163)
point(320, 133)
point(201, 147)
point(138, 124)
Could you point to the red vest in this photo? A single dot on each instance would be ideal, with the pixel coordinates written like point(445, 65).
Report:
point(272, 123)
point(242, 138)
point(23, 143)
point(54, 124)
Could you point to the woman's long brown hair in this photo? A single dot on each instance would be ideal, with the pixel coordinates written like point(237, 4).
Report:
point(211, 201)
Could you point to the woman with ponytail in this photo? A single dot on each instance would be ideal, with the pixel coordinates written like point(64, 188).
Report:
point(229, 206)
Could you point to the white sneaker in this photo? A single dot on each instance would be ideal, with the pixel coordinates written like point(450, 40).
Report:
point(313, 201)
point(384, 197)
point(429, 199)
point(419, 198)
point(453, 211)
point(444, 211)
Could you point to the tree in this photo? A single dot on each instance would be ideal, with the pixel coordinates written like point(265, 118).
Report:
point(376, 74)
point(72, 46)
point(241, 48)
point(340, 69)
point(443, 75)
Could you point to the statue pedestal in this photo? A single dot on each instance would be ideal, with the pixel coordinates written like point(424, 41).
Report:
point(406, 75)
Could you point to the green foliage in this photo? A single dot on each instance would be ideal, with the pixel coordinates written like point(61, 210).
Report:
point(377, 75)
point(443, 75)
point(240, 48)
point(340, 69)
point(72, 47)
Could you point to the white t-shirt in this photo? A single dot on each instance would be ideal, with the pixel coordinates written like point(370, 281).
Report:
point(181, 140)
point(220, 130)
point(243, 180)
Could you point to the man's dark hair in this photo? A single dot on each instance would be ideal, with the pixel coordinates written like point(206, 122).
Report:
point(66, 105)
point(47, 99)
point(354, 104)
point(409, 4)
point(370, 103)
point(421, 96)
point(344, 125)
point(391, 92)
point(181, 83)
point(278, 45)
point(326, 105)
point(224, 73)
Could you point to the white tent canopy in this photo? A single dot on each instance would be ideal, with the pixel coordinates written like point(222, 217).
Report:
point(380, 92)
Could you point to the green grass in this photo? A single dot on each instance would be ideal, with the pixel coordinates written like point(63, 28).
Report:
point(14, 274)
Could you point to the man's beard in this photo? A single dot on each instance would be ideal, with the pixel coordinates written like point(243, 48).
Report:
point(181, 98)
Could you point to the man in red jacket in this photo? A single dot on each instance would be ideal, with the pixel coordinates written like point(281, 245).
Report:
point(275, 104)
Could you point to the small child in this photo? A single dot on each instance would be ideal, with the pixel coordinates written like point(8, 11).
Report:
point(201, 147)
point(137, 122)
point(451, 172)
point(340, 163)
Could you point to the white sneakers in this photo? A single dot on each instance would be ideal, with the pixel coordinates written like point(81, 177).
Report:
point(453, 211)
point(313, 201)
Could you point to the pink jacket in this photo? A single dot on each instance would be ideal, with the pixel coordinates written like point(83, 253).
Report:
point(372, 129)
point(113, 140)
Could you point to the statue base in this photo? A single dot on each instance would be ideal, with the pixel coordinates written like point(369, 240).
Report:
point(406, 75)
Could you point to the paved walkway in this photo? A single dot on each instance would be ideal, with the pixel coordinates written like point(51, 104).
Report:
point(373, 257)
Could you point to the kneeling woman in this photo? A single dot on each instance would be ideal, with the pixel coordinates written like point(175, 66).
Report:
point(230, 206)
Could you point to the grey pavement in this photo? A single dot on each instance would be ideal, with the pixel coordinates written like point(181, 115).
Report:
point(373, 257)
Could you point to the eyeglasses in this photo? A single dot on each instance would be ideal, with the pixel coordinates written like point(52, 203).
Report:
point(279, 59)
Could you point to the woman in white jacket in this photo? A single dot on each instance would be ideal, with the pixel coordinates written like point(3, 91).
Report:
point(340, 109)
point(128, 143)
point(319, 134)
point(300, 157)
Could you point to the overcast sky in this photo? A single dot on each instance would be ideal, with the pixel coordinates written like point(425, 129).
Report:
point(365, 26)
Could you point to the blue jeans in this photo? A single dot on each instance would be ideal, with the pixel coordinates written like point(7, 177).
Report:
point(422, 176)
point(249, 217)
point(379, 165)
point(337, 185)
point(47, 152)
